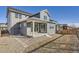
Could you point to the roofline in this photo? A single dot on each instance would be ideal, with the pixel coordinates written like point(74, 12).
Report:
point(35, 14)
point(8, 9)
point(36, 20)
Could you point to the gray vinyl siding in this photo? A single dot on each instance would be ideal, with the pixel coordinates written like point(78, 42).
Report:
point(12, 21)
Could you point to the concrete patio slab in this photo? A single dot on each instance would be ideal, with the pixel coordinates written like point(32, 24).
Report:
point(14, 44)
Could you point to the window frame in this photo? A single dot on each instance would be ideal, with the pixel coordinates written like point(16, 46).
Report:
point(16, 15)
point(45, 17)
point(20, 16)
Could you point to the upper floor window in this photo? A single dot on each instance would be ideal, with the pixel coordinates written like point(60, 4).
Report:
point(45, 17)
point(16, 15)
point(20, 16)
point(25, 15)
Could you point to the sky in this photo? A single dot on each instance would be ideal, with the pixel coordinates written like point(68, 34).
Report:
point(61, 14)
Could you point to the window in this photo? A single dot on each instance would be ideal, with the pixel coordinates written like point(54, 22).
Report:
point(16, 15)
point(29, 24)
point(24, 24)
point(36, 27)
point(45, 17)
point(51, 27)
point(20, 16)
point(40, 27)
point(25, 15)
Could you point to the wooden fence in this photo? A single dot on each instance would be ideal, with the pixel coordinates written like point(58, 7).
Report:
point(67, 31)
point(3, 33)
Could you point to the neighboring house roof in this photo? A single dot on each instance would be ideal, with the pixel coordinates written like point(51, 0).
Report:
point(62, 25)
point(17, 11)
point(3, 25)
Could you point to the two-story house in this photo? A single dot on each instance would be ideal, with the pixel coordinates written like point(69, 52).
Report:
point(27, 24)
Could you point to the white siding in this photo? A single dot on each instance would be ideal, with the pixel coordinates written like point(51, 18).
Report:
point(51, 28)
point(42, 14)
point(8, 21)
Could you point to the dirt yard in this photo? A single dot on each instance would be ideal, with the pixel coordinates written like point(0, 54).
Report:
point(65, 44)
point(20, 44)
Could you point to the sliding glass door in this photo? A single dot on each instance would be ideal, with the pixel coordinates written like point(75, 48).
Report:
point(40, 27)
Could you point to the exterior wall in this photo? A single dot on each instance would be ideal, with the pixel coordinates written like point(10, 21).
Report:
point(15, 29)
point(51, 28)
point(42, 14)
point(8, 21)
point(12, 20)
point(23, 28)
point(29, 33)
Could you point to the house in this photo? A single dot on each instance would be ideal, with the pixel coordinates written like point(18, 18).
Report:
point(27, 24)
point(3, 27)
point(64, 28)
point(61, 27)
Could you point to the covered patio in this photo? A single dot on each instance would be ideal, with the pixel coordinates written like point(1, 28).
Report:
point(37, 27)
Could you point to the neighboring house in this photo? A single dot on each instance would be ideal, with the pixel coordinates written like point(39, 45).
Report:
point(3, 26)
point(27, 24)
point(61, 27)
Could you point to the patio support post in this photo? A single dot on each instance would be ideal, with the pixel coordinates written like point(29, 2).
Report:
point(33, 28)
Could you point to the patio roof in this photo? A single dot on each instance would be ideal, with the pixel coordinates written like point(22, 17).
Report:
point(34, 19)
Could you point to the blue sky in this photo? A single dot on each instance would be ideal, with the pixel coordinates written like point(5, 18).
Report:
point(62, 14)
